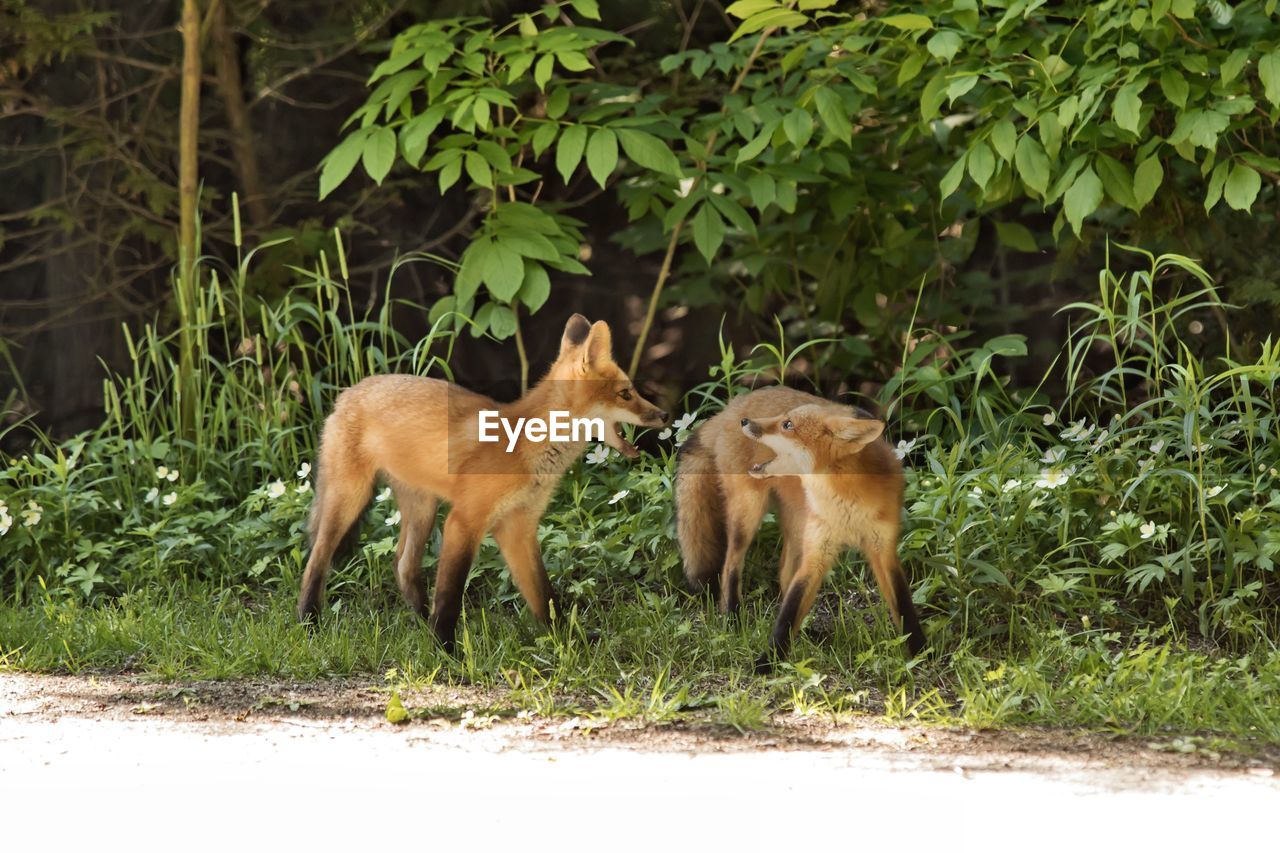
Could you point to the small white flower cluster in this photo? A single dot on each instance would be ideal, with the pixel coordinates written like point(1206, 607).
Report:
point(165, 475)
point(597, 455)
point(680, 428)
point(619, 496)
point(304, 474)
point(904, 447)
point(30, 516)
point(382, 497)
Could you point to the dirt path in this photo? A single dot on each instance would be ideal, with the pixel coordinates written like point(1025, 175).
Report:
point(291, 758)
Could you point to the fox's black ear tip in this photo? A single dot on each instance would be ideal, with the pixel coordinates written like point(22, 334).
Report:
point(577, 329)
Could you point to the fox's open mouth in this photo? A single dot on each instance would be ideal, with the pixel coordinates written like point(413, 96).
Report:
point(759, 470)
point(613, 437)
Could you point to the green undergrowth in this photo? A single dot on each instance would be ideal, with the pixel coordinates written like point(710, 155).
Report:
point(663, 656)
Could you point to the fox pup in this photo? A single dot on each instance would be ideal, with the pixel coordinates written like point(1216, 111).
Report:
point(428, 439)
point(836, 484)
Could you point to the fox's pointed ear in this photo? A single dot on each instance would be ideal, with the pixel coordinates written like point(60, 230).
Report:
point(599, 343)
point(575, 333)
point(859, 432)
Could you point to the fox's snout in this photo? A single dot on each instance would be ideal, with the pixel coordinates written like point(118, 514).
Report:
point(660, 416)
point(751, 429)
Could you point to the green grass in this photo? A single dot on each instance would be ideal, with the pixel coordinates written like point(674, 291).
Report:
point(660, 656)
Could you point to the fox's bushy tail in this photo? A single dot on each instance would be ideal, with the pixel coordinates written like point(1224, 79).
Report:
point(700, 524)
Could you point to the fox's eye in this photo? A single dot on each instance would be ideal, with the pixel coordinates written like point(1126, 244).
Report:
point(787, 425)
point(625, 394)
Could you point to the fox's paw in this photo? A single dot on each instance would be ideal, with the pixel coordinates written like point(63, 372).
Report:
point(764, 664)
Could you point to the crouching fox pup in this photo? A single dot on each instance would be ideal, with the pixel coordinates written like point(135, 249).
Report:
point(836, 484)
point(433, 441)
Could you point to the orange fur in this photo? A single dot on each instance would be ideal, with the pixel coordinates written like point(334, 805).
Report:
point(836, 484)
point(422, 436)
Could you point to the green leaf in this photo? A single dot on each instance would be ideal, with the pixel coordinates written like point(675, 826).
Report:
point(1083, 198)
point(811, 5)
point(648, 151)
point(542, 70)
point(708, 231)
point(502, 322)
point(1117, 181)
point(911, 66)
point(961, 86)
point(379, 153)
point(1126, 109)
point(544, 136)
point(1051, 134)
point(1242, 187)
point(558, 102)
point(798, 125)
point(586, 8)
point(416, 133)
point(1146, 180)
point(753, 149)
point(502, 270)
point(1174, 86)
point(1216, 182)
point(529, 243)
point(449, 174)
point(1016, 236)
point(536, 287)
point(734, 212)
point(907, 22)
point(1004, 138)
point(1032, 163)
point(832, 113)
point(762, 190)
point(340, 161)
point(1269, 74)
point(768, 18)
point(478, 169)
point(1233, 64)
point(982, 164)
point(602, 155)
point(1199, 127)
point(931, 98)
point(744, 9)
point(470, 271)
point(573, 60)
point(951, 180)
point(944, 44)
point(569, 150)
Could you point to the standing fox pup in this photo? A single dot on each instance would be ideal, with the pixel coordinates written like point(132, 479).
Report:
point(434, 441)
point(836, 484)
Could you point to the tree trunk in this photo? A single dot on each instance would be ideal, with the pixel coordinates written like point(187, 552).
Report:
point(188, 188)
point(231, 87)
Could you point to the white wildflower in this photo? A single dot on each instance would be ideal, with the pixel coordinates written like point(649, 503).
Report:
point(1051, 478)
point(1157, 446)
point(118, 506)
point(172, 476)
point(1098, 442)
point(1077, 431)
point(1053, 455)
point(1049, 419)
point(1010, 485)
point(162, 473)
point(305, 471)
point(1214, 492)
point(1148, 529)
point(383, 495)
point(1144, 464)
point(275, 489)
point(393, 519)
point(903, 448)
point(6, 521)
point(151, 495)
point(665, 434)
point(598, 455)
point(32, 514)
point(686, 185)
point(170, 499)
point(619, 496)
point(685, 421)
point(304, 488)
